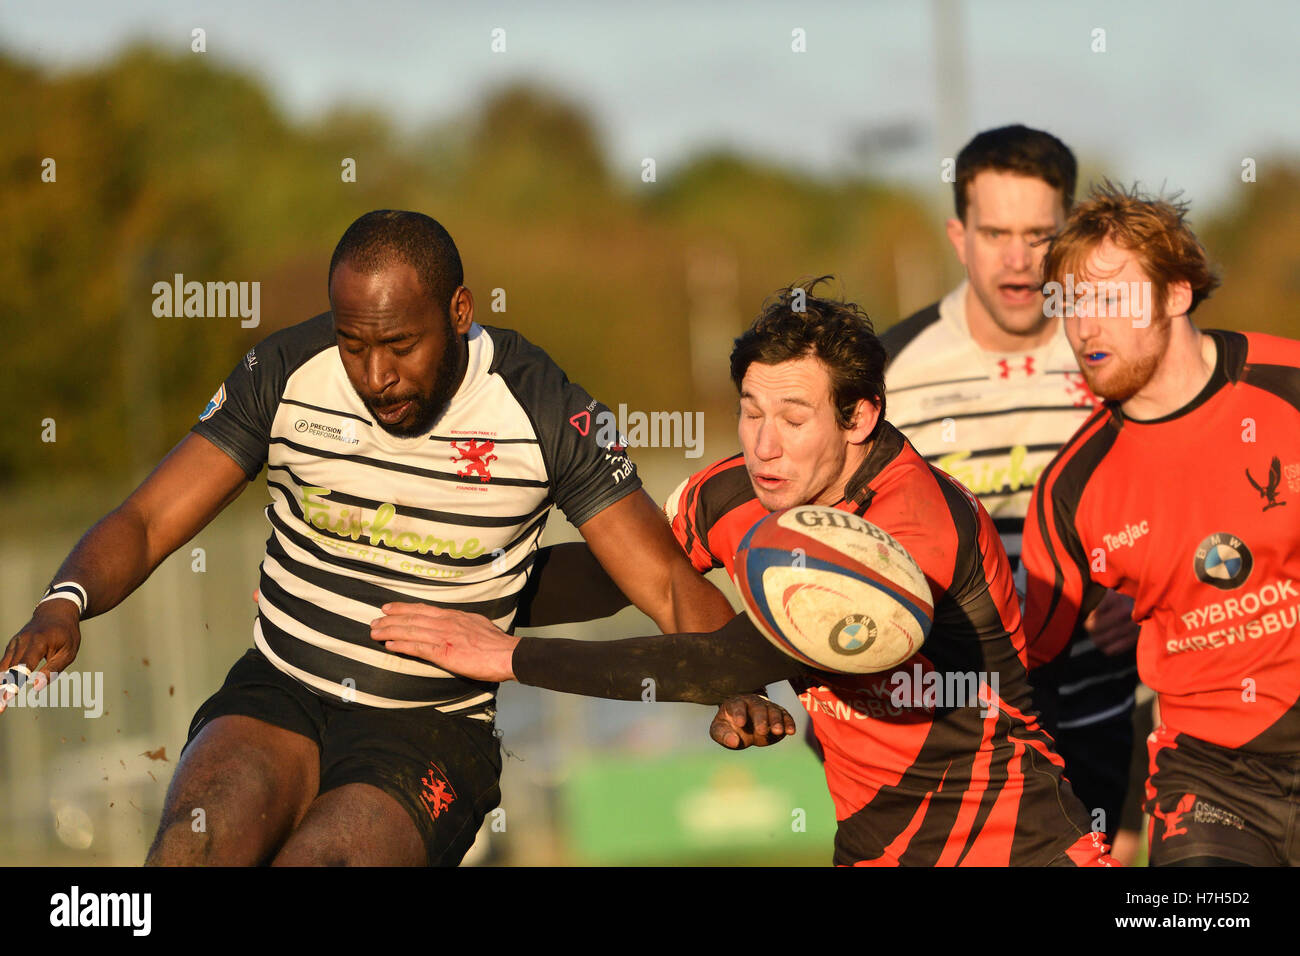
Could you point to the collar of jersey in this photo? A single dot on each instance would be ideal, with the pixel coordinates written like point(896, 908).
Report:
point(884, 449)
point(1221, 376)
point(1052, 354)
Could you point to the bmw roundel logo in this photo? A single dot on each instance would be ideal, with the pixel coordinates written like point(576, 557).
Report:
point(853, 634)
point(1224, 561)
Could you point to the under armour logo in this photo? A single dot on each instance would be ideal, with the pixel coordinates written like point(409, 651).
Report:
point(1005, 366)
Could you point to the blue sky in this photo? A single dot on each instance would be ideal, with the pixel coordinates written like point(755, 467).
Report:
point(1182, 93)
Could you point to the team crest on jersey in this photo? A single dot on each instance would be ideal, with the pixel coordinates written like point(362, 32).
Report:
point(476, 455)
point(1076, 387)
point(1173, 818)
point(1269, 490)
point(1223, 561)
point(436, 792)
point(214, 403)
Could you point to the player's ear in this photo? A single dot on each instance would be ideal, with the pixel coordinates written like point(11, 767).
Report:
point(864, 421)
point(956, 230)
point(462, 309)
point(1178, 298)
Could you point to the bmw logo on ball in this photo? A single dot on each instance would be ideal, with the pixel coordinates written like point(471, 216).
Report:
point(1224, 561)
point(853, 634)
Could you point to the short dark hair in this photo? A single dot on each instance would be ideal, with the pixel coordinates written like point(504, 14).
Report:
point(837, 332)
point(383, 237)
point(1016, 149)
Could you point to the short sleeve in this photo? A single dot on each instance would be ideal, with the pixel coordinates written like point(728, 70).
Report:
point(586, 456)
point(592, 469)
point(682, 509)
point(238, 416)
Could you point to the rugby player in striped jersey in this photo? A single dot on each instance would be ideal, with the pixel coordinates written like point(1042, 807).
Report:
point(411, 454)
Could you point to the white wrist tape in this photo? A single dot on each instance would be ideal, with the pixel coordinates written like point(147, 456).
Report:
point(67, 591)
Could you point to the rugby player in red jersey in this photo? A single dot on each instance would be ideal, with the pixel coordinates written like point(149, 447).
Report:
point(1182, 492)
point(915, 781)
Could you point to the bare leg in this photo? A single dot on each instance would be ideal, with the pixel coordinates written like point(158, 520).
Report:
point(252, 781)
point(354, 825)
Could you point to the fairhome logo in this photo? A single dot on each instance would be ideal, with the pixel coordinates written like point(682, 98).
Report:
point(75, 908)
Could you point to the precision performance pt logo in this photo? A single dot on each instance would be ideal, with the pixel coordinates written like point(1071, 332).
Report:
point(1224, 561)
point(345, 431)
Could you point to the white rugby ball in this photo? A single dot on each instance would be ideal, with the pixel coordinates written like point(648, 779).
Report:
point(833, 590)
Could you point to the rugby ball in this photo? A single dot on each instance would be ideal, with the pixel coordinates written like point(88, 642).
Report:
point(833, 590)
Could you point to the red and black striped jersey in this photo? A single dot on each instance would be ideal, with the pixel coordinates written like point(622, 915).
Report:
point(1196, 516)
point(940, 761)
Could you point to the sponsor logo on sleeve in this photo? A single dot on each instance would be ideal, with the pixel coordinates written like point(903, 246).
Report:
point(582, 422)
point(214, 403)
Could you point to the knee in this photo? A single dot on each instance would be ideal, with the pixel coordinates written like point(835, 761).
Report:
point(183, 840)
point(223, 826)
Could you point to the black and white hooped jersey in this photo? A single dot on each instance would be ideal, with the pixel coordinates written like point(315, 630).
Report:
point(360, 517)
point(994, 421)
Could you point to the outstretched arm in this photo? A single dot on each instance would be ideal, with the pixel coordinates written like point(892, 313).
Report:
point(633, 543)
point(701, 668)
point(187, 490)
point(569, 584)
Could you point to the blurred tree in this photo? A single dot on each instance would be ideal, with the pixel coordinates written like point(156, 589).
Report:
point(180, 164)
point(1256, 243)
